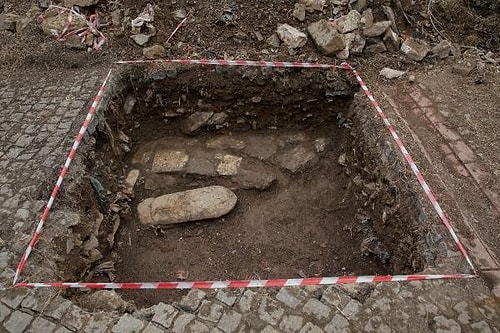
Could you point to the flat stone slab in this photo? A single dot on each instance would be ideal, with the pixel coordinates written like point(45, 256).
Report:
point(192, 205)
point(169, 161)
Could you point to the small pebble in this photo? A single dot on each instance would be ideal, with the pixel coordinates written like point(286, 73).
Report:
point(411, 78)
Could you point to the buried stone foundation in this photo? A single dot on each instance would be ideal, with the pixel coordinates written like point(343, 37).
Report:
point(306, 188)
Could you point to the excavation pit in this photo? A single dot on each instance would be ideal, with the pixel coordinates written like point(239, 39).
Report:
point(314, 198)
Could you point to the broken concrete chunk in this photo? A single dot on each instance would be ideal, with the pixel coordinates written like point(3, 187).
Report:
point(326, 38)
point(229, 164)
point(292, 37)
point(376, 29)
point(169, 161)
point(197, 120)
point(192, 205)
point(296, 159)
point(415, 49)
point(349, 22)
point(299, 11)
point(442, 50)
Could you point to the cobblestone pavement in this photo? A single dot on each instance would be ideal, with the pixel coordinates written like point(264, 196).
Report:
point(38, 119)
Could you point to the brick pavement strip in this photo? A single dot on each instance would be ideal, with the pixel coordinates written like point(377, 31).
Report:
point(35, 131)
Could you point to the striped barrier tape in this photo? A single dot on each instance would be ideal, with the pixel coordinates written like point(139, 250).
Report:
point(245, 283)
point(181, 23)
point(60, 179)
point(248, 283)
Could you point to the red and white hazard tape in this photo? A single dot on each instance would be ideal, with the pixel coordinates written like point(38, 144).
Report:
point(60, 179)
point(247, 283)
point(244, 283)
point(413, 166)
point(181, 23)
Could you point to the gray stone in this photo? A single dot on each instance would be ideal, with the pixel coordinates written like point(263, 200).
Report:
point(349, 22)
point(182, 322)
point(299, 11)
point(193, 299)
point(151, 328)
point(169, 161)
point(141, 40)
point(389, 13)
point(481, 327)
point(225, 142)
point(164, 314)
point(210, 311)
point(338, 325)
point(8, 22)
point(317, 309)
point(291, 297)
point(360, 5)
point(76, 318)
point(18, 322)
point(229, 321)
point(442, 50)
point(128, 324)
point(391, 40)
point(310, 328)
point(4, 312)
point(63, 330)
point(442, 324)
point(296, 159)
point(261, 147)
point(389, 73)
point(462, 69)
point(197, 120)
point(105, 300)
point(376, 29)
point(228, 296)
point(269, 329)
point(198, 327)
point(153, 52)
point(352, 309)
point(375, 48)
point(270, 311)
point(274, 40)
point(57, 308)
point(248, 179)
point(415, 49)
point(179, 14)
point(14, 297)
point(292, 37)
point(312, 5)
point(291, 324)
point(200, 166)
point(192, 205)
point(217, 119)
point(326, 38)
point(366, 20)
point(358, 44)
point(81, 3)
point(42, 325)
point(5, 258)
point(98, 323)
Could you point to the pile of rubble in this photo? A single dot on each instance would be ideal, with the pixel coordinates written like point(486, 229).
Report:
point(355, 32)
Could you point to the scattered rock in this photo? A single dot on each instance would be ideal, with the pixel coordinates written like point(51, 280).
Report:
point(197, 120)
point(141, 39)
point(292, 37)
point(81, 3)
point(366, 20)
point(349, 22)
point(376, 29)
point(344, 54)
point(391, 40)
point(296, 158)
point(229, 164)
point(274, 40)
point(411, 78)
point(326, 38)
point(358, 44)
point(360, 5)
point(248, 179)
point(179, 14)
point(415, 49)
point(200, 166)
point(192, 205)
point(154, 52)
point(389, 13)
point(54, 25)
point(389, 73)
point(217, 119)
point(320, 144)
point(442, 50)
point(105, 300)
point(259, 36)
point(130, 181)
point(312, 5)
point(117, 17)
point(299, 11)
point(169, 161)
point(375, 48)
point(129, 103)
point(462, 69)
point(8, 22)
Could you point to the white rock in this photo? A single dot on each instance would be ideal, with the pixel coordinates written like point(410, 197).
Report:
point(292, 37)
point(192, 205)
point(389, 73)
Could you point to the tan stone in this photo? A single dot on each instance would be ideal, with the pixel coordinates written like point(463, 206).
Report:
point(229, 164)
point(169, 161)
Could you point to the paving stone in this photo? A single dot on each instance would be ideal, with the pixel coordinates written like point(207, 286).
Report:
point(269, 329)
point(310, 328)
point(164, 314)
point(98, 323)
point(42, 325)
point(352, 309)
point(57, 308)
point(193, 299)
point(198, 327)
point(18, 322)
point(481, 327)
point(291, 297)
point(317, 309)
point(338, 325)
point(229, 321)
point(128, 324)
point(151, 328)
point(13, 297)
point(247, 301)
point(291, 323)
point(442, 324)
point(270, 311)
point(210, 311)
point(463, 314)
point(228, 296)
point(169, 161)
point(63, 330)
point(182, 322)
point(76, 318)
